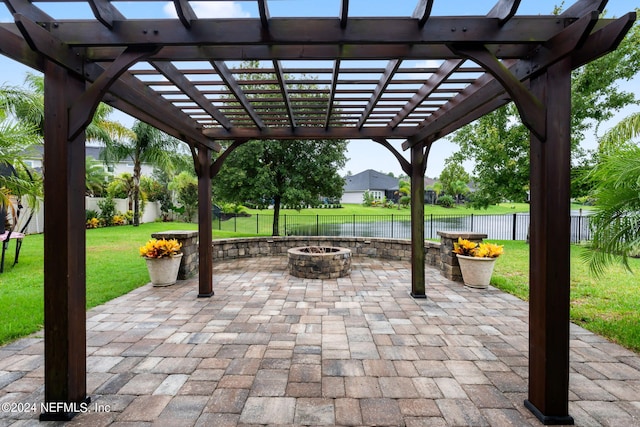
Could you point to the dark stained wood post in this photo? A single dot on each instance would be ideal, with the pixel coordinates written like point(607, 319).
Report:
point(418, 160)
point(549, 252)
point(205, 224)
point(64, 248)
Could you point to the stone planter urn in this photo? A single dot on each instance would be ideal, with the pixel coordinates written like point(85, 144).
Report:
point(476, 272)
point(164, 271)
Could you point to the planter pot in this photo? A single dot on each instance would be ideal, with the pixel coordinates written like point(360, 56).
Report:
point(476, 272)
point(163, 271)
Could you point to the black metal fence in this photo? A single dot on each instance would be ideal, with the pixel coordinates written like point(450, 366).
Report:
point(499, 227)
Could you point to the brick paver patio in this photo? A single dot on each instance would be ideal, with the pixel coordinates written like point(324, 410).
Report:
point(271, 349)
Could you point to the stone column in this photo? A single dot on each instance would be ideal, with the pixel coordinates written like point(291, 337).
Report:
point(449, 266)
point(189, 240)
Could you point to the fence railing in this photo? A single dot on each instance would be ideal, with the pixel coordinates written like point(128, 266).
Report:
point(499, 227)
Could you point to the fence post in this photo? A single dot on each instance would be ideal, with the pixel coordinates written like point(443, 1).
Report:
point(317, 225)
point(285, 224)
point(235, 224)
point(580, 226)
point(257, 223)
point(354, 225)
point(471, 222)
point(392, 226)
point(515, 216)
point(431, 227)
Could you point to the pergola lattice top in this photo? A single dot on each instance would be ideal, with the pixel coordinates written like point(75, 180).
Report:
point(330, 77)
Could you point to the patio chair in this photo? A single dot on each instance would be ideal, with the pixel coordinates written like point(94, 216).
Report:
point(14, 219)
point(16, 231)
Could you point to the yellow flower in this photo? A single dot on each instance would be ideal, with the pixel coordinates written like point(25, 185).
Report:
point(160, 248)
point(478, 250)
point(489, 250)
point(464, 247)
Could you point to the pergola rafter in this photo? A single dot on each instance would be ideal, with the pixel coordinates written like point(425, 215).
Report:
point(367, 80)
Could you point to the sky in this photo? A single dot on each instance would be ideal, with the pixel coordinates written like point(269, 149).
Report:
point(362, 154)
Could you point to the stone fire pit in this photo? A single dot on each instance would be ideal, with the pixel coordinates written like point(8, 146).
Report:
point(319, 262)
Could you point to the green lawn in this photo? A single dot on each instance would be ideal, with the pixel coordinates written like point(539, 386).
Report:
point(260, 222)
point(609, 306)
point(114, 267)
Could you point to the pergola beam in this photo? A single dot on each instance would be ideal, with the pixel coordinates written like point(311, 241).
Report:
point(105, 12)
point(423, 11)
point(249, 32)
point(335, 74)
point(318, 132)
point(384, 81)
point(285, 93)
point(504, 10)
point(488, 88)
point(230, 81)
point(178, 79)
point(344, 13)
point(443, 73)
point(186, 15)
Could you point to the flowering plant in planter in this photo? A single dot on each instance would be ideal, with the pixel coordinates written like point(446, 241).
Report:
point(476, 261)
point(477, 250)
point(162, 248)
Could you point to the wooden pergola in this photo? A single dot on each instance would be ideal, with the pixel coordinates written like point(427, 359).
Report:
point(184, 77)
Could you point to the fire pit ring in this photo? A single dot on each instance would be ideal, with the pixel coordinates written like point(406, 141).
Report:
point(319, 262)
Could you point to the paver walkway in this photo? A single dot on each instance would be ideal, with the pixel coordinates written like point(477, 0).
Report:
point(272, 349)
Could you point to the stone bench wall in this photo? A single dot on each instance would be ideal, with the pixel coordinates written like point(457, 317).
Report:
point(437, 254)
point(394, 249)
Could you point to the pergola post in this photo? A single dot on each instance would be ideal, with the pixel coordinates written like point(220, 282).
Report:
point(418, 165)
point(205, 224)
point(64, 249)
point(549, 276)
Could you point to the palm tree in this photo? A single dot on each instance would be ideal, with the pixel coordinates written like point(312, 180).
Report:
point(437, 189)
point(15, 138)
point(28, 105)
point(95, 177)
point(147, 145)
point(616, 178)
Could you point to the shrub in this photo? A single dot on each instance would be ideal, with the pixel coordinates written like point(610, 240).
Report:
point(107, 210)
point(93, 223)
point(90, 214)
point(446, 201)
point(367, 198)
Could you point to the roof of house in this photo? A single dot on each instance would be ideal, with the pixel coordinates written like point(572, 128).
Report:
point(370, 180)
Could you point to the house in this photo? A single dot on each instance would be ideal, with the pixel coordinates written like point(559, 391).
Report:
point(33, 159)
point(378, 184)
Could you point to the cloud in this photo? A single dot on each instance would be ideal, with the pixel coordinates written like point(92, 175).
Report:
point(211, 10)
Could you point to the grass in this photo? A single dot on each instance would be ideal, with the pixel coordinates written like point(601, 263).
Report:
point(261, 220)
point(352, 209)
point(114, 268)
point(608, 306)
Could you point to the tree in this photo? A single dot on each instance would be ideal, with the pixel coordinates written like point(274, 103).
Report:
point(404, 193)
point(616, 178)
point(282, 172)
point(616, 221)
point(498, 144)
point(122, 187)
point(15, 138)
point(185, 184)
point(436, 187)
point(454, 179)
point(96, 177)
point(146, 145)
point(28, 106)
